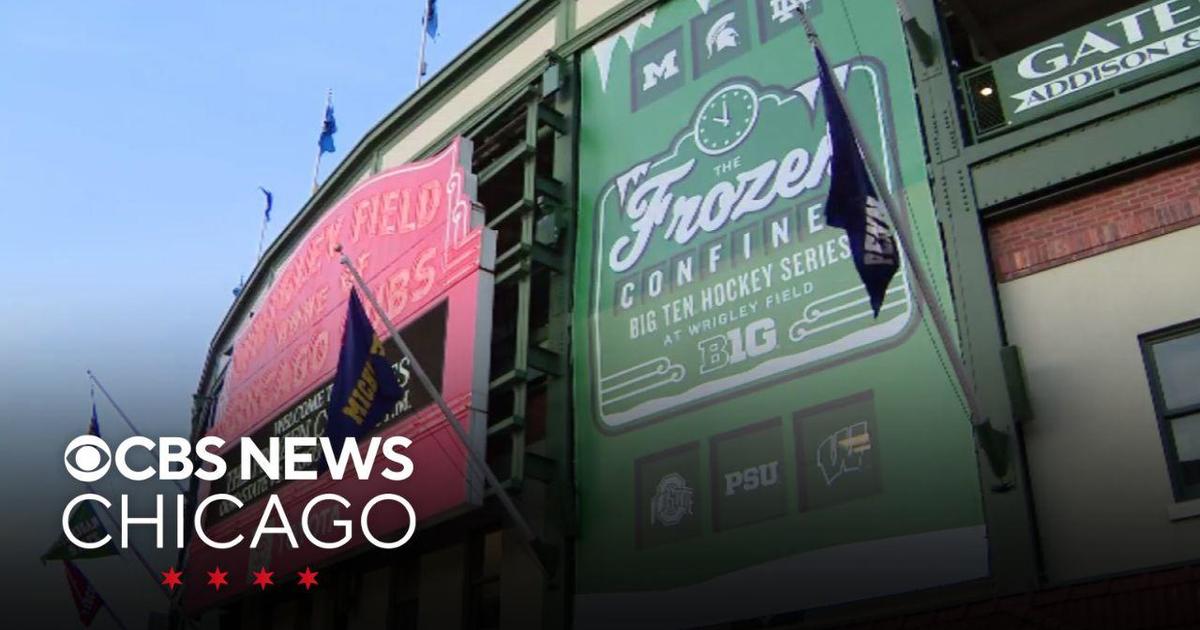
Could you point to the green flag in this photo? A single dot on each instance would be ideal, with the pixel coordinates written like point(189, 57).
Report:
point(86, 526)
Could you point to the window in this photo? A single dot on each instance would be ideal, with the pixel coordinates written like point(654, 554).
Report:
point(1172, 360)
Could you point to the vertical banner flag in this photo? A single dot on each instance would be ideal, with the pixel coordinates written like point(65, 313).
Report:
point(431, 18)
point(270, 202)
point(86, 525)
point(365, 388)
point(94, 423)
point(328, 128)
point(853, 204)
point(87, 601)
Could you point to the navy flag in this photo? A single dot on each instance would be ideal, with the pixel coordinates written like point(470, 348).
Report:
point(270, 202)
point(365, 388)
point(328, 128)
point(85, 524)
point(853, 203)
point(94, 424)
point(87, 601)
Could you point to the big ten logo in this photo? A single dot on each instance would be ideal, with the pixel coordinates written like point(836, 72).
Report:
point(752, 478)
point(738, 345)
point(718, 35)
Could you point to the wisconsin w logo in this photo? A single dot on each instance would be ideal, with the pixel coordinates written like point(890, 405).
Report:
point(843, 452)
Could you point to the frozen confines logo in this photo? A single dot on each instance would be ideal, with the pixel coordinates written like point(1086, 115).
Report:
point(649, 201)
point(844, 452)
point(672, 501)
point(88, 458)
point(1119, 46)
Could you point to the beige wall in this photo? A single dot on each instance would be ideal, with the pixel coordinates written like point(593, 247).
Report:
point(586, 11)
point(476, 93)
point(1095, 455)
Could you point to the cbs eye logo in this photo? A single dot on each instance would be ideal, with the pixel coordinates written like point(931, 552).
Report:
point(87, 458)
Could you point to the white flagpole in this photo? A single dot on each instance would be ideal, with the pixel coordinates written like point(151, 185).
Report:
point(121, 412)
point(317, 162)
point(908, 246)
point(424, 39)
point(451, 418)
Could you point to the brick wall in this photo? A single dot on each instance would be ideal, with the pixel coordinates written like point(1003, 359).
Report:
point(1097, 222)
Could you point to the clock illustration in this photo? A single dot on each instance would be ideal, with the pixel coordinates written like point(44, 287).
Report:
point(726, 119)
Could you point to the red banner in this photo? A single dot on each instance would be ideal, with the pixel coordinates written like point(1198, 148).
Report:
point(413, 234)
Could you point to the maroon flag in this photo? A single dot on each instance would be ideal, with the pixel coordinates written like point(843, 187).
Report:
point(87, 600)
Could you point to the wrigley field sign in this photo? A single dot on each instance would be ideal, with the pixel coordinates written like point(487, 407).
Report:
point(743, 421)
point(1150, 38)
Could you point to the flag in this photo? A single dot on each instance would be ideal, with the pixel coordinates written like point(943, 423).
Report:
point(271, 198)
point(328, 128)
point(431, 21)
point(87, 601)
point(853, 204)
point(86, 525)
point(365, 388)
point(94, 424)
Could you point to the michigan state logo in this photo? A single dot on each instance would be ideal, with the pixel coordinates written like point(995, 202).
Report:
point(713, 268)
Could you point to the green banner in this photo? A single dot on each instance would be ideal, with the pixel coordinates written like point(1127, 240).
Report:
point(750, 439)
point(1154, 37)
point(86, 526)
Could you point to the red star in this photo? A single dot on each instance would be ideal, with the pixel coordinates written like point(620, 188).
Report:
point(262, 578)
point(216, 578)
point(171, 578)
point(308, 578)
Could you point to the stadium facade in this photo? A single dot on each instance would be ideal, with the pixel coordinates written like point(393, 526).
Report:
point(668, 360)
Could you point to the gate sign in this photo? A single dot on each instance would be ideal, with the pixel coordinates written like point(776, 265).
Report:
point(413, 233)
point(1150, 38)
point(748, 432)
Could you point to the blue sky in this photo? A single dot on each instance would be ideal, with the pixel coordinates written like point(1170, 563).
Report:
point(133, 138)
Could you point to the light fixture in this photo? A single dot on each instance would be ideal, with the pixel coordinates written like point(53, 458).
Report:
point(987, 91)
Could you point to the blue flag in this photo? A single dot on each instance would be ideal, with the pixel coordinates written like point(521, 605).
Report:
point(853, 204)
point(365, 388)
point(328, 128)
point(94, 425)
point(431, 18)
point(270, 202)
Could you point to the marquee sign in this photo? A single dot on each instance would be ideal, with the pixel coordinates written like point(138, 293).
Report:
point(1150, 38)
point(413, 233)
point(743, 421)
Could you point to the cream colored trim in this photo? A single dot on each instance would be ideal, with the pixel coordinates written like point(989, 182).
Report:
point(586, 11)
point(472, 96)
